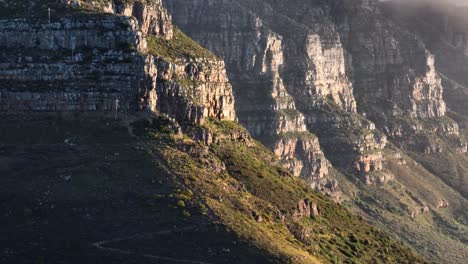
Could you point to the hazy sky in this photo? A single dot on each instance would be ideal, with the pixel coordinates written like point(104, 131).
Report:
point(458, 2)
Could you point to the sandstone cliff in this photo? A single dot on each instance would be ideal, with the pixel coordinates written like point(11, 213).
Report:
point(288, 75)
point(446, 36)
point(388, 63)
point(394, 75)
point(255, 60)
point(307, 76)
point(97, 62)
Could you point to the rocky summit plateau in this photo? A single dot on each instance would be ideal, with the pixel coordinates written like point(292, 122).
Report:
point(233, 131)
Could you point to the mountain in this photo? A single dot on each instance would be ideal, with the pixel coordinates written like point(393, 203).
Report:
point(122, 138)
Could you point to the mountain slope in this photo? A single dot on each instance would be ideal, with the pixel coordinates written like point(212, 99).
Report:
point(86, 181)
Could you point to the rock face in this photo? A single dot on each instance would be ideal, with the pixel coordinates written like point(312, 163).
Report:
point(100, 63)
point(47, 67)
point(289, 77)
point(395, 78)
point(301, 153)
point(393, 72)
point(255, 60)
point(152, 17)
point(194, 90)
point(336, 65)
point(446, 36)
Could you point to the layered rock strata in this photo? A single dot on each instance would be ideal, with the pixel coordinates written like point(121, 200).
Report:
point(393, 72)
point(446, 36)
point(95, 62)
point(194, 90)
point(152, 17)
point(395, 79)
point(289, 77)
point(254, 55)
point(73, 65)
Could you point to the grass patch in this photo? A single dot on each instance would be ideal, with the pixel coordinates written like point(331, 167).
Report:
point(181, 46)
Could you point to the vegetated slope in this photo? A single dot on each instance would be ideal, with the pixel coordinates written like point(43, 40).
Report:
point(86, 187)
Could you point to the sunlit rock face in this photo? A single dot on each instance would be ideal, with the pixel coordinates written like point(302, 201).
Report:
point(152, 17)
point(323, 67)
point(393, 72)
point(255, 56)
point(446, 36)
point(395, 76)
point(289, 75)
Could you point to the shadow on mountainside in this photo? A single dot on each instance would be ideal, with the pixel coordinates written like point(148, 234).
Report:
point(78, 190)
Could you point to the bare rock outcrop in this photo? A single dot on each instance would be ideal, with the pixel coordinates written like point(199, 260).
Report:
point(194, 90)
point(306, 208)
point(442, 203)
point(302, 154)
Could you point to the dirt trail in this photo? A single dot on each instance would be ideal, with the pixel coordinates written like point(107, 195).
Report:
point(101, 245)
